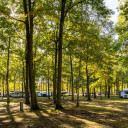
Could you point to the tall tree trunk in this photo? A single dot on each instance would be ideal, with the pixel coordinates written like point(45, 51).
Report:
point(87, 75)
point(67, 86)
point(29, 37)
point(77, 104)
point(55, 75)
point(83, 90)
point(72, 85)
point(26, 83)
point(26, 55)
point(3, 85)
point(122, 84)
point(117, 86)
point(14, 83)
point(94, 93)
point(23, 81)
point(58, 102)
point(114, 88)
point(34, 105)
point(48, 85)
point(8, 97)
point(43, 84)
point(108, 89)
point(105, 88)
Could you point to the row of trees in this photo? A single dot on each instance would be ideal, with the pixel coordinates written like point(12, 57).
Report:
point(61, 44)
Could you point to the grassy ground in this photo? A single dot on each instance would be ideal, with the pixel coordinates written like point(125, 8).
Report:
point(105, 113)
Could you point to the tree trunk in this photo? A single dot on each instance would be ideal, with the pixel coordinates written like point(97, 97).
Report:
point(88, 92)
point(114, 88)
point(48, 86)
point(94, 93)
point(14, 83)
point(26, 83)
point(43, 84)
point(55, 75)
point(67, 86)
point(117, 86)
point(8, 97)
point(72, 86)
point(83, 90)
point(105, 88)
point(58, 103)
point(77, 104)
point(23, 81)
point(108, 90)
point(34, 105)
point(3, 85)
point(122, 84)
point(29, 38)
point(26, 55)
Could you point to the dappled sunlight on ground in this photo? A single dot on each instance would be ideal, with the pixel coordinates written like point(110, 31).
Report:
point(93, 114)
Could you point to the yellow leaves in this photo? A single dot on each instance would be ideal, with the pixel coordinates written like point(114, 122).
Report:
point(121, 18)
point(38, 7)
point(43, 0)
point(69, 37)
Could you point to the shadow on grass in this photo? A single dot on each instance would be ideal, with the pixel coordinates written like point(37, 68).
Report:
point(8, 120)
point(72, 117)
point(112, 119)
point(59, 120)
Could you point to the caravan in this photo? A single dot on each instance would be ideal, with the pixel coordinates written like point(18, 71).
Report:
point(17, 94)
point(44, 94)
point(124, 93)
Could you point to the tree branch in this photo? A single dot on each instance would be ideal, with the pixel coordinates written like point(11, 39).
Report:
point(96, 69)
point(72, 5)
point(66, 46)
point(16, 19)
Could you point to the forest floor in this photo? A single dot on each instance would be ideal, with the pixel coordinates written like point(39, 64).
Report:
point(105, 113)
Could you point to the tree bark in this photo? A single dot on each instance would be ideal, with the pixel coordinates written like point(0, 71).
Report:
point(122, 84)
point(58, 103)
point(55, 75)
point(14, 83)
point(83, 90)
point(48, 86)
point(94, 93)
point(108, 90)
point(23, 81)
point(77, 104)
point(117, 86)
point(43, 83)
point(34, 105)
point(8, 97)
point(72, 85)
point(105, 88)
point(26, 55)
point(87, 75)
point(3, 85)
point(29, 38)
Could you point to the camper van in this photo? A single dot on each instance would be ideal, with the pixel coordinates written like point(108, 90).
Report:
point(44, 94)
point(17, 94)
point(124, 93)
